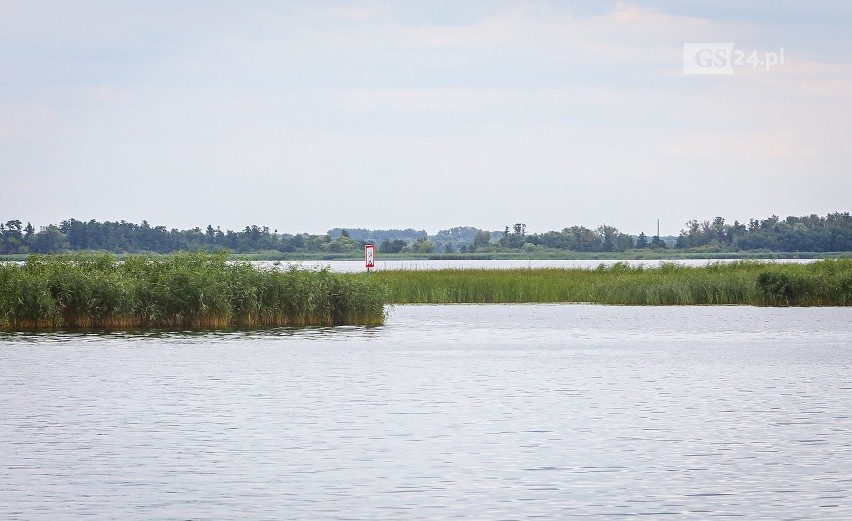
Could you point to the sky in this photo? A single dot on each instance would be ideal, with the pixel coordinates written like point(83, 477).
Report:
point(305, 116)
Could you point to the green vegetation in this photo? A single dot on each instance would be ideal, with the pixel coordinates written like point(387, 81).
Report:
point(823, 283)
point(814, 235)
point(189, 290)
point(200, 290)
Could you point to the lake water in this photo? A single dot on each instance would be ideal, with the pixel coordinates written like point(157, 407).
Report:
point(355, 266)
point(501, 264)
point(466, 411)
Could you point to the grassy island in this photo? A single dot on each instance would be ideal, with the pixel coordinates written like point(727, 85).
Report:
point(822, 283)
point(199, 290)
point(187, 290)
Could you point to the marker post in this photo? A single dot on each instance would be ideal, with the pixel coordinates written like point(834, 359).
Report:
point(370, 256)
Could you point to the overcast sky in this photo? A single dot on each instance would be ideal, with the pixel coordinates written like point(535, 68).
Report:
point(304, 116)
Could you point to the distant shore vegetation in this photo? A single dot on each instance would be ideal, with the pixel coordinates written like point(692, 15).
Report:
point(811, 235)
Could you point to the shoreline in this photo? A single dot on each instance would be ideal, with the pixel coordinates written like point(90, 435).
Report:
point(629, 255)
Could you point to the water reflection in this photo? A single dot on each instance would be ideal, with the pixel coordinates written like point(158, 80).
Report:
point(205, 336)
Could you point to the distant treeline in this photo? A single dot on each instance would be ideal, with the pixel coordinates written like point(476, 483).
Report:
point(830, 233)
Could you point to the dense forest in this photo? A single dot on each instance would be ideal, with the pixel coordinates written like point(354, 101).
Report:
point(830, 233)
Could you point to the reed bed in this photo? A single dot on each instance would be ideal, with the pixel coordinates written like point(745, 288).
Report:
point(823, 283)
point(198, 290)
point(188, 290)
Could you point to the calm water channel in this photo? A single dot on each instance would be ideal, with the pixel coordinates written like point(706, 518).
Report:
point(351, 266)
point(480, 412)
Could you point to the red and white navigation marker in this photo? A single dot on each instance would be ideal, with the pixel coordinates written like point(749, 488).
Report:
point(370, 256)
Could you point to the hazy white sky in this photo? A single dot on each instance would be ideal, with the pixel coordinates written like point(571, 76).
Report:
point(304, 116)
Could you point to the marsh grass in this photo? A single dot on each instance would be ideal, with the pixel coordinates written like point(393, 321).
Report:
point(823, 283)
point(188, 290)
point(199, 290)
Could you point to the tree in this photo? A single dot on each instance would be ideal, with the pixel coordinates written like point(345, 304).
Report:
point(423, 245)
point(343, 244)
point(14, 225)
point(642, 241)
point(515, 237)
point(49, 240)
point(481, 239)
point(394, 246)
point(28, 231)
point(607, 234)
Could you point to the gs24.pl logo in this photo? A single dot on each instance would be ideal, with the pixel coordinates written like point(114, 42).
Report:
point(721, 58)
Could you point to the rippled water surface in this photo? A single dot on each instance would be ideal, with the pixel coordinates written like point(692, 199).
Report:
point(481, 412)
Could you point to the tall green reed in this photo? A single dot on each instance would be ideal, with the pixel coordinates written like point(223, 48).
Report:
point(743, 282)
point(188, 290)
